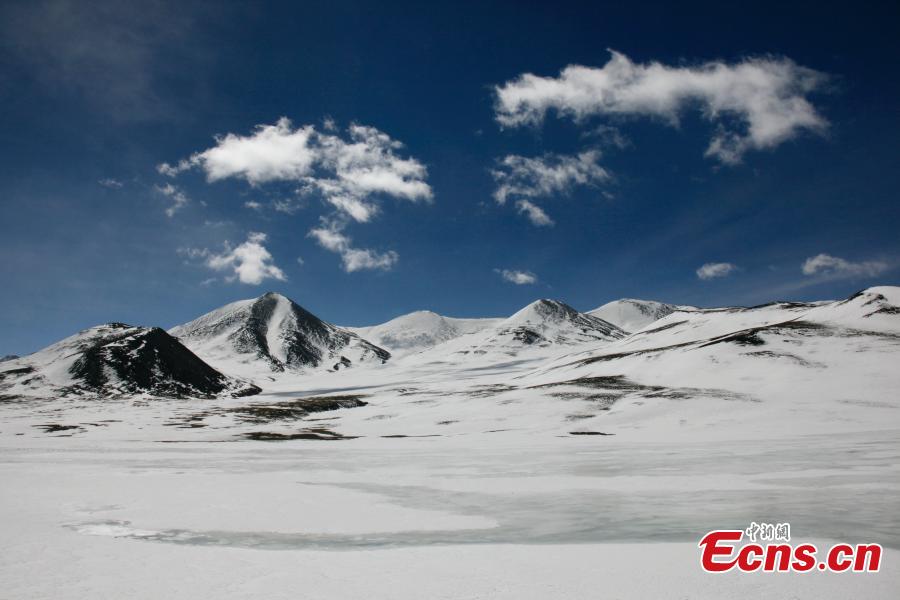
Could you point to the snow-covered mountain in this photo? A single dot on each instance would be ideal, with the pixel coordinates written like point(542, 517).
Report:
point(9, 357)
point(545, 325)
point(273, 334)
point(419, 331)
point(804, 356)
point(632, 315)
point(116, 360)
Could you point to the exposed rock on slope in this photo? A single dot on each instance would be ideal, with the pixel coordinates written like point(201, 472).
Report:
point(118, 360)
point(543, 324)
point(276, 334)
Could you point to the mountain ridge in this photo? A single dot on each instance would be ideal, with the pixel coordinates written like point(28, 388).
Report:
point(420, 330)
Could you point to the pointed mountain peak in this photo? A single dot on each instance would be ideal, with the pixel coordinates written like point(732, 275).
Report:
point(276, 331)
point(544, 310)
point(276, 296)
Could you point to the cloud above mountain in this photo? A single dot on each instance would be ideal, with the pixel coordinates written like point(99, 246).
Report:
point(825, 264)
point(347, 172)
point(715, 270)
point(331, 237)
point(517, 277)
point(350, 173)
point(754, 104)
point(525, 179)
point(250, 262)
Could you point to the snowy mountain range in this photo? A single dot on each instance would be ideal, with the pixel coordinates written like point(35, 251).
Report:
point(752, 368)
point(542, 326)
point(255, 344)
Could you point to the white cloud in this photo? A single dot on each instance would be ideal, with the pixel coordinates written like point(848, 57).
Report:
point(767, 95)
point(109, 182)
point(520, 176)
point(179, 198)
point(838, 267)
point(535, 213)
point(273, 153)
point(367, 164)
point(331, 237)
point(529, 178)
point(715, 270)
point(609, 136)
point(194, 253)
point(347, 172)
point(288, 206)
point(517, 277)
point(253, 205)
point(249, 263)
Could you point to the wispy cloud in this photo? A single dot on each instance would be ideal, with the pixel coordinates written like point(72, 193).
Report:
point(535, 213)
point(109, 182)
point(331, 237)
point(768, 96)
point(112, 55)
point(517, 277)
point(527, 178)
point(179, 198)
point(250, 262)
point(715, 270)
point(835, 267)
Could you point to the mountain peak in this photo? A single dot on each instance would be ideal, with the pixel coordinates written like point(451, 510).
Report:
point(274, 295)
point(274, 330)
point(540, 324)
point(631, 314)
point(544, 310)
point(116, 359)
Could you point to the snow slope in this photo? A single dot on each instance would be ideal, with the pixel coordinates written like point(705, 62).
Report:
point(419, 331)
point(256, 337)
point(538, 330)
point(632, 315)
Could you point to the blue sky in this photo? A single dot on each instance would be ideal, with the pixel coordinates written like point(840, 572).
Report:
point(759, 141)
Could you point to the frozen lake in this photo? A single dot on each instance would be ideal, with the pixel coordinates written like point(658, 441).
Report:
point(579, 490)
point(377, 505)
